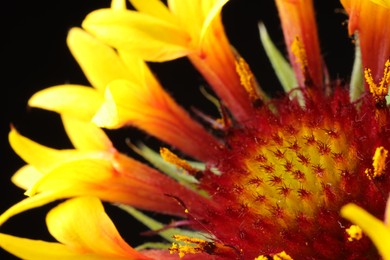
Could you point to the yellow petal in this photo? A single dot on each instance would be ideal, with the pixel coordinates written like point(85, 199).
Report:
point(85, 135)
point(151, 38)
point(154, 8)
point(135, 65)
point(118, 4)
point(372, 227)
point(107, 115)
point(190, 15)
point(42, 157)
point(99, 62)
point(25, 248)
point(120, 180)
point(82, 224)
point(387, 213)
point(26, 177)
point(211, 13)
point(75, 100)
point(75, 178)
point(29, 203)
point(384, 3)
point(46, 159)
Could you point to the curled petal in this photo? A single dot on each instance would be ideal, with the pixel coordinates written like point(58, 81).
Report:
point(75, 100)
point(151, 109)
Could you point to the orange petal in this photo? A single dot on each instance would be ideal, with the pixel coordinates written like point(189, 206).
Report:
point(374, 31)
point(127, 181)
point(151, 109)
point(297, 17)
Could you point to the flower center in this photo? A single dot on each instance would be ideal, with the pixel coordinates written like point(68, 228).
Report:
point(286, 174)
point(296, 170)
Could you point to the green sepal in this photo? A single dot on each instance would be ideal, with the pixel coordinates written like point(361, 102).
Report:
point(153, 245)
point(153, 224)
point(282, 68)
point(170, 169)
point(356, 87)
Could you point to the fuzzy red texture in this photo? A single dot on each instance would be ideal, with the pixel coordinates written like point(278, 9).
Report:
point(237, 223)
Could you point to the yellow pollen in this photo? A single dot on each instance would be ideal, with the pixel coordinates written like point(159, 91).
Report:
point(379, 161)
point(282, 256)
point(299, 52)
point(170, 157)
point(191, 245)
point(379, 92)
point(247, 79)
point(279, 256)
point(196, 245)
point(354, 233)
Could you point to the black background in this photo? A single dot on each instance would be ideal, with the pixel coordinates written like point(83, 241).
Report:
point(34, 56)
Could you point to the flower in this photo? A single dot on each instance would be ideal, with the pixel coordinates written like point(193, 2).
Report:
point(275, 177)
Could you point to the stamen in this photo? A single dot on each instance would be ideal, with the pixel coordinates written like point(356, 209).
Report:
point(170, 157)
point(279, 256)
point(191, 245)
point(248, 80)
point(282, 256)
point(354, 233)
point(379, 161)
point(299, 52)
point(379, 92)
point(261, 257)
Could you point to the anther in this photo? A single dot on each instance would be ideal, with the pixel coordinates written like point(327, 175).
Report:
point(379, 92)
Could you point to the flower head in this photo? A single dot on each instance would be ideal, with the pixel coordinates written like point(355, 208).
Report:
point(272, 174)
